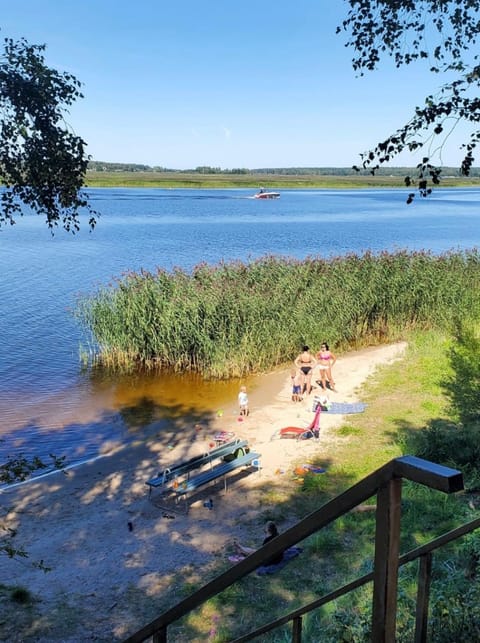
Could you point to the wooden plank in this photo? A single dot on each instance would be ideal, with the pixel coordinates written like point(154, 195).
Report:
point(160, 636)
point(423, 597)
point(433, 475)
point(387, 541)
point(297, 630)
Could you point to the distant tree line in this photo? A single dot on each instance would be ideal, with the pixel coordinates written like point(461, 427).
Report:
point(101, 166)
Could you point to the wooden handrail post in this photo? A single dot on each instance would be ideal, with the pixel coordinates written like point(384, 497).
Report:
point(423, 596)
point(385, 573)
point(160, 636)
point(297, 630)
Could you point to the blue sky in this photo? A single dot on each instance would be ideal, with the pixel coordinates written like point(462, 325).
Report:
point(244, 84)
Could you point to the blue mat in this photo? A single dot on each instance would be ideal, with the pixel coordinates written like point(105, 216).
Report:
point(288, 554)
point(344, 408)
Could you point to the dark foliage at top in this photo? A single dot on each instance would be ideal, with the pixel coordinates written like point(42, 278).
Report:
point(42, 163)
point(444, 34)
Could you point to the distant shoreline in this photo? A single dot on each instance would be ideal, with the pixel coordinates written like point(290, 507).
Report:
point(151, 179)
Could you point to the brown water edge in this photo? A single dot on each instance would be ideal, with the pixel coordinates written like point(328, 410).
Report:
point(175, 395)
point(103, 412)
point(169, 395)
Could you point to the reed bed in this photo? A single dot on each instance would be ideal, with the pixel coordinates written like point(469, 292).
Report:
point(237, 318)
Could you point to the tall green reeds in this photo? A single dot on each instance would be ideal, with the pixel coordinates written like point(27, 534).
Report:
point(236, 318)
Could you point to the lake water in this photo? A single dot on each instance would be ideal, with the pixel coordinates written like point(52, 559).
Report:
point(48, 404)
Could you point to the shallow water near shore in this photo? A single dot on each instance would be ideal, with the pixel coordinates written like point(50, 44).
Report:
point(95, 418)
point(49, 404)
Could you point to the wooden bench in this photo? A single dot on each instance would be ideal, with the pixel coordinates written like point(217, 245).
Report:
point(222, 469)
point(170, 474)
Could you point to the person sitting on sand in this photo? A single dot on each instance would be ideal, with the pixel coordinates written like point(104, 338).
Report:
point(306, 363)
point(271, 532)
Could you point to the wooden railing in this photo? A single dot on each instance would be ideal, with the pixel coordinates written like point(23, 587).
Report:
point(386, 485)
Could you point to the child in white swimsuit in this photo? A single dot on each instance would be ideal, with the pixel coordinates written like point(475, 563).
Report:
point(243, 401)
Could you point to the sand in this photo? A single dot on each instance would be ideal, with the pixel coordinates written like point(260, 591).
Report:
point(106, 573)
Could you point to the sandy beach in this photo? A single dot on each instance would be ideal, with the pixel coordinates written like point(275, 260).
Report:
point(106, 573)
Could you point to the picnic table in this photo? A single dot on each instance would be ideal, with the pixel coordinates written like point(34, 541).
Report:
point(178, 482)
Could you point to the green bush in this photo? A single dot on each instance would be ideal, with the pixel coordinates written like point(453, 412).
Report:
point(464, 388)
point(455, 614)
point(454, 445)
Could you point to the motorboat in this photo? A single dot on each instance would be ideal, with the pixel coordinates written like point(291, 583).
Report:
point(264, 194)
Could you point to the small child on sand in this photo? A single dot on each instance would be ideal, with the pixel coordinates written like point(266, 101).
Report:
point(243, 401)
point(297, 381)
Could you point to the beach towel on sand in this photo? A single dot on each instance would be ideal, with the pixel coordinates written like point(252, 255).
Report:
point(288, 554)
point(344, 408)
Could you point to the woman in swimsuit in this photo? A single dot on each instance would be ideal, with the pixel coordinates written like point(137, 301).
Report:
point(306, 362)
point(326, 359)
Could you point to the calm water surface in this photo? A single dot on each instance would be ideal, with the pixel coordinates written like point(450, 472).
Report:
point(48, 404)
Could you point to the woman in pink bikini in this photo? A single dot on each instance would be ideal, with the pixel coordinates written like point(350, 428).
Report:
point(326, 359)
